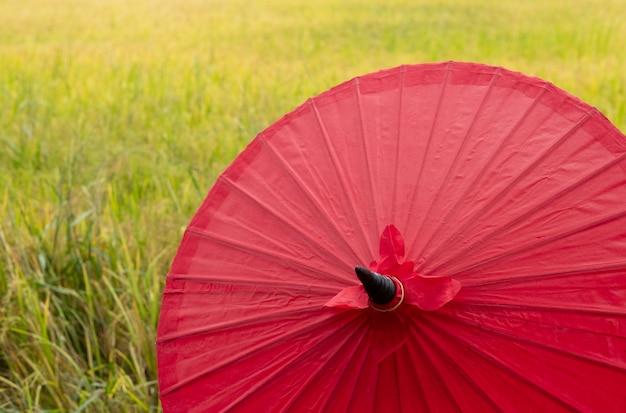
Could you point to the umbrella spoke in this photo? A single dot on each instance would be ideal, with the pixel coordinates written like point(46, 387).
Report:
point(473, 186)
point(431, 387)
point(366, 156)
point(495, 303)
point(557, 336)
point(342, 383)
point(353, 395)
point(573, 378)
point(239, 323)
point(387, 387)
point(462, 362)
point(330, 346)
point(445, 246)
point(485, 263)
point(394, 196)
point(411, 394)
point(274, 212)
point(592, 271)
point(256, 283)
point(304, 326)
point(596, 290)
point(398, 391)
point(479, 214)
point(440, 193)
point(467, 393)
point(268, 254)
point(429, 144)
point(312, 198)
point(343, 180)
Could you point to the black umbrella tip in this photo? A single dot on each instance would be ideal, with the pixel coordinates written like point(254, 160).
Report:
point(365, 275)
point(380, 288)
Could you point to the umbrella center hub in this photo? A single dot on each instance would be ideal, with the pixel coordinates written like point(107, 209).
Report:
point(386, 293)
point(395, 302)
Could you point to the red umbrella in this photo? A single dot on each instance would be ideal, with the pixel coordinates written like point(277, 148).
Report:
point(485, 212)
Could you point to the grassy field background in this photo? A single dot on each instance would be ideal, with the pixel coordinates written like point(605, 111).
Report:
point(117, 116)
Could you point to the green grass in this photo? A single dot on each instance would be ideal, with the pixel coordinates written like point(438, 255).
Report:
point(117, 116)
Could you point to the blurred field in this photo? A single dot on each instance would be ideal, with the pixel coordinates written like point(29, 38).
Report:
point(117, 116)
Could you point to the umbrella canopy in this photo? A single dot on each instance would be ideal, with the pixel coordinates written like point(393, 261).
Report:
point(485, 211)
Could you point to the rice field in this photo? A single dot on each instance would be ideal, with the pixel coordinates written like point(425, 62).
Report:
point(117, 116)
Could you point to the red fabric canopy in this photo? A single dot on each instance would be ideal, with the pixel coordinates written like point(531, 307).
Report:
point(494, 199)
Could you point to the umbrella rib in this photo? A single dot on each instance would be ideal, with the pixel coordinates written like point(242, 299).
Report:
point(283, 219)
point(357, 374)
point(424, 345)
point(493, 360)
point(594, 174)
point(464, 321)
point(461, 319)
point(444, 245)
point(394, 197)
point(508, 280)
point(418, 357)
point(376, 385)
point(368, 166)
point(418, 400)
point(306, 326)
point(436, 348)
point(353, 325)
point(362, 349)
point(414, 352)
point(342, 177)
point(271, 285)
point(231, 324)
point(546, 241)
point(307, 192)
point(398, 382)
point(573, 309)
point(429, 143)
point(495, 76)
point(522, 175)
point(618, 310)
point(419, 328)
point(258, 250)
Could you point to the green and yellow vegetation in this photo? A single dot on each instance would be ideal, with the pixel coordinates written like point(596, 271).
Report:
point(117, 116)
